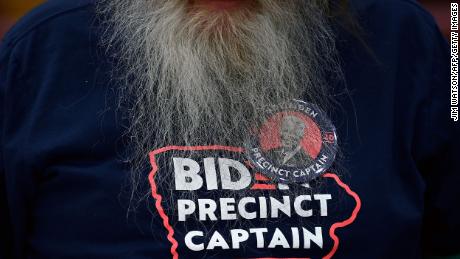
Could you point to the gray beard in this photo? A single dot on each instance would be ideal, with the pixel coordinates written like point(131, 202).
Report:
point(201, 78)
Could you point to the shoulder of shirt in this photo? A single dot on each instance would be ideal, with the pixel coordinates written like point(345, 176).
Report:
point(41, 15)
point(397, 16)
point(364, 5)
point(385, 7)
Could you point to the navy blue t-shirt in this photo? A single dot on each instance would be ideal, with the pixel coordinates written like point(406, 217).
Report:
point(63, 182)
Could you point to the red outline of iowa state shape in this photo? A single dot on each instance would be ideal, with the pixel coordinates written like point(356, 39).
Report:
point(170, 230)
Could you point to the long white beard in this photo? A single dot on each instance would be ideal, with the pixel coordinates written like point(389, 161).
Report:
point(192, 77)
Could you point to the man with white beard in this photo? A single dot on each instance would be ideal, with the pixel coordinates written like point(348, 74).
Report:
point(139, 129)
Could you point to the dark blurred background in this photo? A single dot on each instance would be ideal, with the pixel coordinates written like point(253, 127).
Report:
point(11, 10)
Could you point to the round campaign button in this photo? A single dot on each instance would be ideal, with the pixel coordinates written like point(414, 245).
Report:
point(295, 143)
